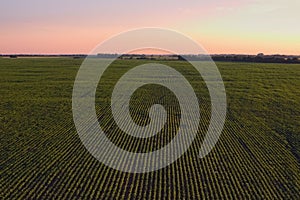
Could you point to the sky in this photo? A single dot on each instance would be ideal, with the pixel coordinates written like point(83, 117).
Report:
point(220, 26)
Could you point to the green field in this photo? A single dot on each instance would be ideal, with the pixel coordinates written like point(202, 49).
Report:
point(42, 157)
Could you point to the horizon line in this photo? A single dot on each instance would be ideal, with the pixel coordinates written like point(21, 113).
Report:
point(120, 54)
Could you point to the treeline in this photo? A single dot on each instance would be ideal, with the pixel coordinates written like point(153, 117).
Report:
point(223, 57)
point(258, 58)
point(216, 57)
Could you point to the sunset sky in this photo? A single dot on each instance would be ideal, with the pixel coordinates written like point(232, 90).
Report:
point(220, 26)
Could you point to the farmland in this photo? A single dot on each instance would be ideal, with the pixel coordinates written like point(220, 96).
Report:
point(42, 157)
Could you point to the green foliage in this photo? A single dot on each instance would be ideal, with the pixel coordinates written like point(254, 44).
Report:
point(41, 155)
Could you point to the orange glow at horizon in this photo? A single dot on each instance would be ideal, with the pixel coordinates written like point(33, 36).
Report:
point(221, 27)
point(151, 51)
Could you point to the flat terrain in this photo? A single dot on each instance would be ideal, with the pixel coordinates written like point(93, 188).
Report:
point(42, 157)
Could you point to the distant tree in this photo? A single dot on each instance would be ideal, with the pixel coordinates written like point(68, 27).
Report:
point(260, 55)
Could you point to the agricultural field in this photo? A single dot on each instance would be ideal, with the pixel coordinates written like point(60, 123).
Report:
point(42, 157)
